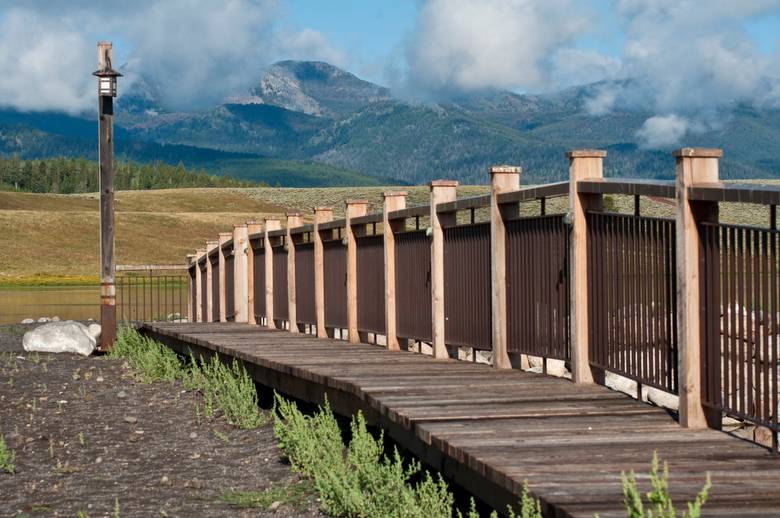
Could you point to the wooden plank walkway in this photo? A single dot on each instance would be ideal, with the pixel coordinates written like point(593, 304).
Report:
point(489, 430)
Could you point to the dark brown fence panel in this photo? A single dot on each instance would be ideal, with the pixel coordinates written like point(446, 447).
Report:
point(204, 302)
point(335, 281)
point(150, 294)
point(538, 287)
point(467, 304)
point(214, 287)
point(258, 276)
point(371, 284)
point(230, 301)
point(740, 323)
point(633, 306)
point(281, 308)
point(413, 285)
point(304, 283)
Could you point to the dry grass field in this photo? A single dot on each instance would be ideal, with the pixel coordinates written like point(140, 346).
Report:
point(53, 239)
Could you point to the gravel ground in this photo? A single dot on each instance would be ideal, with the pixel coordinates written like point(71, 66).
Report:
point(91, 439)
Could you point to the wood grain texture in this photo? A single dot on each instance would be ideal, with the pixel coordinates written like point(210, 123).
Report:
point(489, 430)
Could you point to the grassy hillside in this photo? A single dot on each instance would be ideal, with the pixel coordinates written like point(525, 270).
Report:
point(53, 239)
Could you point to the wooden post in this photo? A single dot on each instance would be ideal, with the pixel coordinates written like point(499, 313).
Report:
point(191, 287)
point(106, 181)
point(583, 164)
point(294, 220)
point(199, 316)
point(321, 215)
point(240, 267)
point(355, 209)
point(270, 224)
point(504, 178)
point(694, 166)
point(253, 228)
point(442, 191)
point(224, 237)
point(211, 297)
point(392, 201)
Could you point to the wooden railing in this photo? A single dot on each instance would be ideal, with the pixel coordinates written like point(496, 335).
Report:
point(680, 303)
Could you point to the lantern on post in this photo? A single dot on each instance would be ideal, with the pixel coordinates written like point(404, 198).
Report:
point(107, 79)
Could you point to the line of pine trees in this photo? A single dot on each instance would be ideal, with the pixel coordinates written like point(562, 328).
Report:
point(75, 175)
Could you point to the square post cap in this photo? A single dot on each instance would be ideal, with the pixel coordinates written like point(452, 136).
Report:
point(356, 202)
point(698, 152)
point(270, 218)
point(323, 209)
point(586, 153)
point(443, 183)
point(505, 169)
point(390, 194)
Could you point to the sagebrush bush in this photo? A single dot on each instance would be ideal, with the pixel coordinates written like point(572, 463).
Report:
point(7, 458)
point(152, 360)
point(228, 389)
point(660, 502)
point(357, 480)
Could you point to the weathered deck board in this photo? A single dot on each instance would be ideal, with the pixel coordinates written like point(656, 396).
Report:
point(491, 430)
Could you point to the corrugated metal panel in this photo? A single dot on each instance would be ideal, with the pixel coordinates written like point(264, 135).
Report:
point(467, 305)
point(371, 283)
point(335, 282)
point(214, 287)
point(538, 286)
point(281, 308)
point(304, 283)
point(413, 285)
point(258, 270)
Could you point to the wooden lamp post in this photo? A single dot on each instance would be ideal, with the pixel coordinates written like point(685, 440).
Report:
point(107, 78)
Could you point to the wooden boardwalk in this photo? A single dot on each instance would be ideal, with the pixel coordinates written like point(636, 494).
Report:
point(489, 430)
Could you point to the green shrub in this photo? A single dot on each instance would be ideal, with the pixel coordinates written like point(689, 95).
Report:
point(659, 500)
point(152, 360)
point(228, 388)
point(225, 388)
point(357, 480)
point(7, 457)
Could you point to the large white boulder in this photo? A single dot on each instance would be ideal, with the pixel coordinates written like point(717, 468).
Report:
point(60, 337)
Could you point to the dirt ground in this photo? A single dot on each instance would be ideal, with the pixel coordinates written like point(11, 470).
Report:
point(92, 441)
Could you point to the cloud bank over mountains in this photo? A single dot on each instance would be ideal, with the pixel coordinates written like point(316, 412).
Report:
point(681, 61)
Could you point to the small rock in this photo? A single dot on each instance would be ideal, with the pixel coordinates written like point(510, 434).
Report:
point(131, 419)
point(195, 456)
point(274, 506)
point(193, 435)
point(121, 394)
point(98, 460)
point(55, 319)
point(43, 320)
point(28, 321)
point(99, 378)
point(165, 480)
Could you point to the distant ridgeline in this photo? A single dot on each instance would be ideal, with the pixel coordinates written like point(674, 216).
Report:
point(75, 175)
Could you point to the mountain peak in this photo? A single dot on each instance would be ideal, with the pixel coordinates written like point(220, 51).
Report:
point(316, 88)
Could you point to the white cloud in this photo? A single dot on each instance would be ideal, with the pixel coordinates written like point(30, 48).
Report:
point(663, 131)
point(309, 45)
point(44, 64)
point(466, 45)
point(196, 51)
